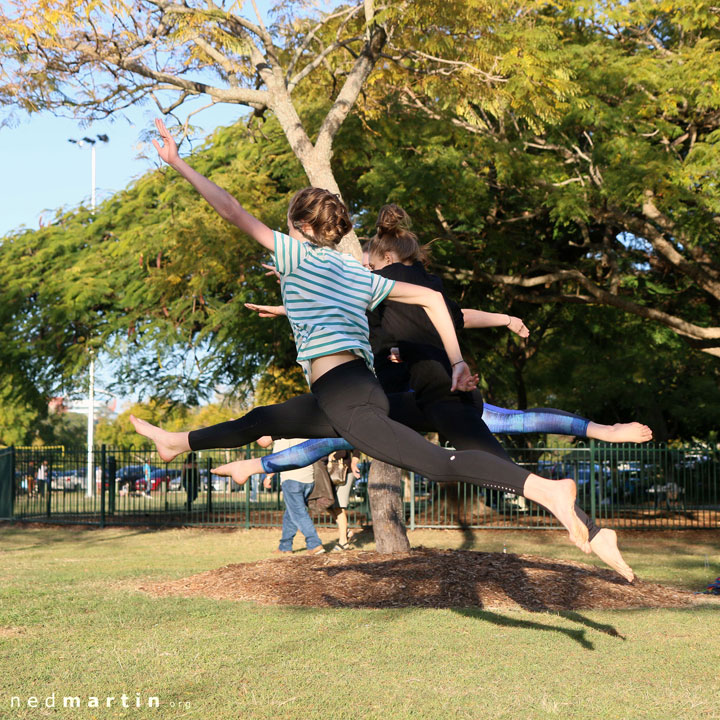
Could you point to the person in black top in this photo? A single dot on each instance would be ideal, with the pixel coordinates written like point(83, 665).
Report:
point(409, 356)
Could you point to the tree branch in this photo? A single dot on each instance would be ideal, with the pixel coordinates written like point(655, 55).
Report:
point(305, 44)
point(648, 229)
point(350, 90)
point(414, 101)
point(223, 61)
point(603, 297)
point(319, 60)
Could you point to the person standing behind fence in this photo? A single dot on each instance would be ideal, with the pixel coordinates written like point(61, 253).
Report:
point(343, 466)
point(147, 471)
point(297, 486)
point(42, 477)
point(30, 478)
point(190, 479)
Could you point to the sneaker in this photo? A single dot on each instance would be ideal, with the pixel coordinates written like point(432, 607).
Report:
point(319, 550)
point(282, 552)
point(340, 547)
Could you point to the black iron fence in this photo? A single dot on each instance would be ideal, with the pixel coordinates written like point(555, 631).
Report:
point(648, 486)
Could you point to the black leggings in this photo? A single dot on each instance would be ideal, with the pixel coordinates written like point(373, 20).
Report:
point(349, 402)
point(299, 417)
point(457, 419)
point(457, 416)
point(352, 399)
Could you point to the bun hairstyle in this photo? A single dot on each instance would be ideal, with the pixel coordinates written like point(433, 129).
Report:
point(324, 212)
point(393, 234)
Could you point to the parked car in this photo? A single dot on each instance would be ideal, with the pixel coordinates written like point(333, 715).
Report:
point(133, 476)
point(68, 480)
point(219, 483)
point(691, 461)
point(164, 475)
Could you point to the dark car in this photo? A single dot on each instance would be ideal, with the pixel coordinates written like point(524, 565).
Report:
point(166, 476)
point(133, 476)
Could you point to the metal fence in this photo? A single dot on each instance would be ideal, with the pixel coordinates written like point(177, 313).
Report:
point(639, 486)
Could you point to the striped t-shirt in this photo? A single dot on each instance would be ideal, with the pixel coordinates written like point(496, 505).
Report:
point(326, 294)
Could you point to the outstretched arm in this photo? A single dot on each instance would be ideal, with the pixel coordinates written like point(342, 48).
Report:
point(434, 305)
point(482, 319)
point(267, 310)
point(221, 200)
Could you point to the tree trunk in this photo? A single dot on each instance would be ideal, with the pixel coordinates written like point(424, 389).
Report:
point(386, 505)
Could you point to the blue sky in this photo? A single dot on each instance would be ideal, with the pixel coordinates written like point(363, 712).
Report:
point(44, 172)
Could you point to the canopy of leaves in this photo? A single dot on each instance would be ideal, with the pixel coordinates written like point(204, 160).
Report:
point(606, 184)
point(155, 278)
point(567, 154)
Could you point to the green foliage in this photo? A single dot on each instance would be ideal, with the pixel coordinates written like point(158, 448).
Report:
point(18, 414)
point(542, 143)
point(119, 432)
point(155, 278)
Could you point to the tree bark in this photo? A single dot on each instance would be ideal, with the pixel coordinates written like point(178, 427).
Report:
point(386, 505)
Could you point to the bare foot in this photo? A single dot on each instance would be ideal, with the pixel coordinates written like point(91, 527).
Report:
point(605, 546)
point(264, 441)
point(564, 510)
point(633, 432)
point(169, 444)
point(240, 470)
point(558, 496)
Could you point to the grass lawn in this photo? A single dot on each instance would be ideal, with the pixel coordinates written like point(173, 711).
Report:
point(72, 623)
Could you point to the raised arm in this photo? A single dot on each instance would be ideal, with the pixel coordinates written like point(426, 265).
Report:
point(221, 200)
point(481, 319)
point(434, 305)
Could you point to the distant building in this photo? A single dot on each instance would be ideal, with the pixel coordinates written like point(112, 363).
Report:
point(102, 409)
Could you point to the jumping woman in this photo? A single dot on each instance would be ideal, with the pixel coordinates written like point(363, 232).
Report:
point(326, 294)
point(462, 418)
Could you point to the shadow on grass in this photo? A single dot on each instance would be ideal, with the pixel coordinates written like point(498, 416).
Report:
point(75, 534)
point(578, 636)
point(599, 627)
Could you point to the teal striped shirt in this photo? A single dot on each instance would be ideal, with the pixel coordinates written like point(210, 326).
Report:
point(326, 294)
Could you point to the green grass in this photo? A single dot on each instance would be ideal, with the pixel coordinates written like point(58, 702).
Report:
point(72, 622)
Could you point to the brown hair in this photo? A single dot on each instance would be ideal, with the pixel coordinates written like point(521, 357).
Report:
point(324, 212)
point(393, 234)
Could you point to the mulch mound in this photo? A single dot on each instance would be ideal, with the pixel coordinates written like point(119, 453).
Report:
point(426, 578)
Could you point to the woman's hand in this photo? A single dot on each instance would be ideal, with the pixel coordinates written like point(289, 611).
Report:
point(168, 152)
point(267, 310)
point(355, 467)
point(517, 326)
point(272, 270)
point(469, 384)
point(462, 379)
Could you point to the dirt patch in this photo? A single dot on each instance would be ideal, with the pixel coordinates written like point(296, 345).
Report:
point(8, 632)
point(426, 578)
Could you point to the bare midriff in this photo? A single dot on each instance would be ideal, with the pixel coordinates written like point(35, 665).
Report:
point(320, 365)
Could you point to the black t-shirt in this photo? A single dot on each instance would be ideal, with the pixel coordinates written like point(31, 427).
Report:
point(392, 322)
point(407, 327)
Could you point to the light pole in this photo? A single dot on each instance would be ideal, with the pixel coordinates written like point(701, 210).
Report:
point(91, 142)
point(91, 393)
